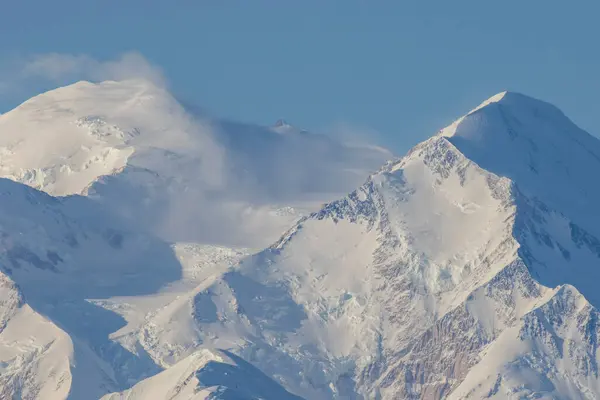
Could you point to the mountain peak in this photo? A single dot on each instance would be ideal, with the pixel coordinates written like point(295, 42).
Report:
point(515, 117)
point(280, 123)
point(535, 145)
point(494, 99)
point(283, 127)
point(518, 100)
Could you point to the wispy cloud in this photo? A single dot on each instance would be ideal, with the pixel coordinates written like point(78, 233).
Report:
point(25, 75)
point(59, 67)
point(355, 135)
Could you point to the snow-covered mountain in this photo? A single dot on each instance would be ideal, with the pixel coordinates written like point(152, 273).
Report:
point(465, 270)
point(134, 147)
point(460, 270)
point(148, 189)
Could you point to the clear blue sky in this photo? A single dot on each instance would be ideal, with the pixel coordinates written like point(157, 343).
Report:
point(402, 68)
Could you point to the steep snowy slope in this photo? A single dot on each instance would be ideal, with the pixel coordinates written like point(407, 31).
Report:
point(51, 337)
point(207, 375)
point(132, 146)
point(438, 273)
point(33, 352)
point(71, 291)
point(550, 353)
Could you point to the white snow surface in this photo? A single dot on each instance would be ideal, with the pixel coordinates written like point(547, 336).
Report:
point(465, 270)
point(207, 374)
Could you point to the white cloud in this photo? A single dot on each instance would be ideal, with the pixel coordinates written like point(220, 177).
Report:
point(24, 77)
point(62, 68)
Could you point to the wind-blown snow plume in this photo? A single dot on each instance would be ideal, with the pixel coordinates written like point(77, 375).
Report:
point(189, 176)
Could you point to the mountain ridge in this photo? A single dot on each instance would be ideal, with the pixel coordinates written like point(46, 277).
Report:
point(441, 156)
point(463, 270)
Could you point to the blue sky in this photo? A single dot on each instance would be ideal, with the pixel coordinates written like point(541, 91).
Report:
point(402, 69)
